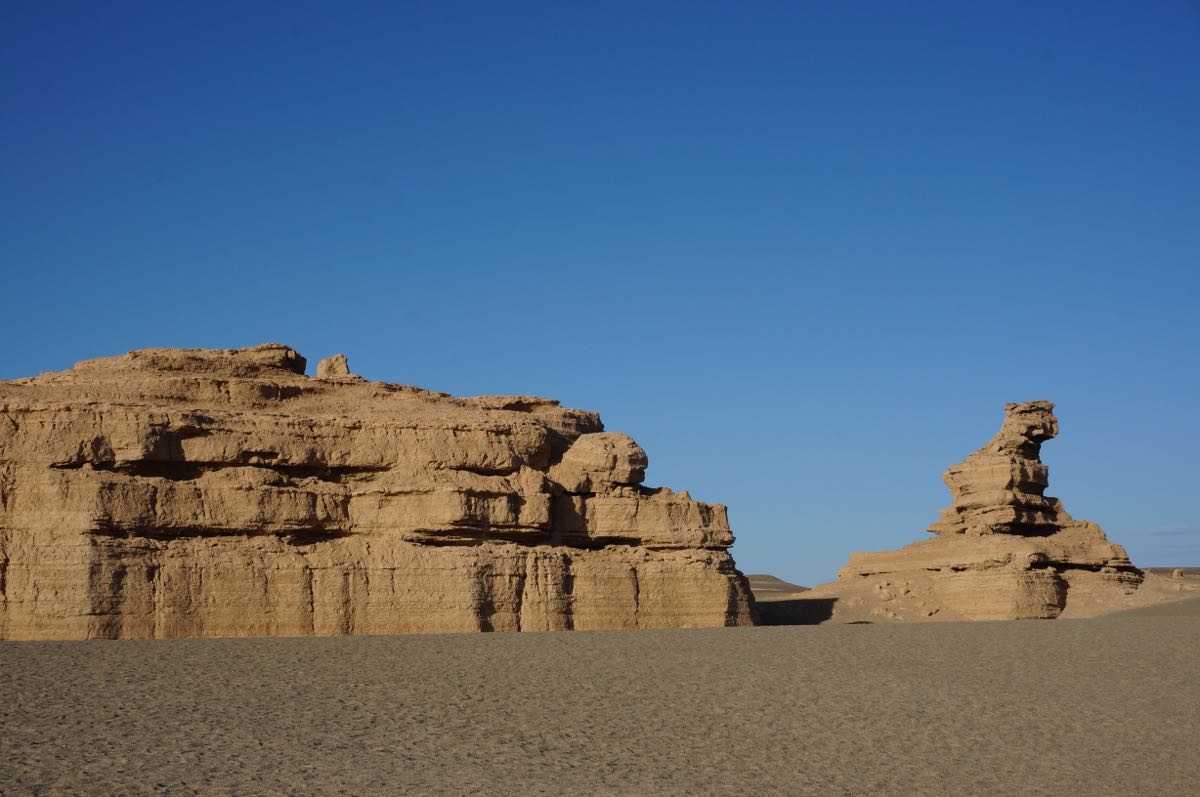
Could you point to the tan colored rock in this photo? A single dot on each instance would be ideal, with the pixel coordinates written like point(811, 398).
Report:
point(1003, 550)
point(999, 488)
point(169, 493)
point(599, 462)
point(333, 367)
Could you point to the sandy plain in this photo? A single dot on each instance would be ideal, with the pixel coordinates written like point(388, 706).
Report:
point(1101, 707)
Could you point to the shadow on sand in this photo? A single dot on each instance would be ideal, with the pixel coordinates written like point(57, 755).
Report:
point(797, 611)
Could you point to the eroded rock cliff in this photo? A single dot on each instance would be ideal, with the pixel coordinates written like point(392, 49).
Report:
point(1002, 550)
point(169, 493)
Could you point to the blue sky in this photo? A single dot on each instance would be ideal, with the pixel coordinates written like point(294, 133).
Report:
point(804, 253)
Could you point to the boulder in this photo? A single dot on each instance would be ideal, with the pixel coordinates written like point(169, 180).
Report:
point(334, 367)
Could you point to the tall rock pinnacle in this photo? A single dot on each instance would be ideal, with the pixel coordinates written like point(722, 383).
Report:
point(1002, 550)
point(999, 489)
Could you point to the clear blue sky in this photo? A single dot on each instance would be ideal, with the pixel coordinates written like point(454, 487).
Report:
point(803, 253)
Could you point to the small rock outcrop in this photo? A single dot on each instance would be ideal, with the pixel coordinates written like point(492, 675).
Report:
point(1002, 550)
point(200, 493)
point(334, 367)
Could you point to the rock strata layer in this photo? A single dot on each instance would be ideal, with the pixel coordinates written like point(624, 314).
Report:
point(1003, 550)
point(190, 493)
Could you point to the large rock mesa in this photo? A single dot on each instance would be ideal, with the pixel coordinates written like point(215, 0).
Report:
point(169, 493)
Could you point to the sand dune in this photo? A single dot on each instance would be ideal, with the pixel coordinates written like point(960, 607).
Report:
point(1098, 707)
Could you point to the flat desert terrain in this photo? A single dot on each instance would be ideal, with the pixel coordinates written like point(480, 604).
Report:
point(1099, 707)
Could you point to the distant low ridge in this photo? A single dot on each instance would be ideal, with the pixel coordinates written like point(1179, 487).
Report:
point(766, 588)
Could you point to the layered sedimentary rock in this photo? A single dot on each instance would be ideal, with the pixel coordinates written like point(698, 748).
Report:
point(1002, 550)
point(169, 493)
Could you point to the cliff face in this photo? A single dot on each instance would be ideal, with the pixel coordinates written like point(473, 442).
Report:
point(1003, 550)
point(169, 493)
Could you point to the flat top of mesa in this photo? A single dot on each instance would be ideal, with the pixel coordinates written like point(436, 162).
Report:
point(212, 376)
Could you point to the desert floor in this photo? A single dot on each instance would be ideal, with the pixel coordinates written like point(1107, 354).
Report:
point(1098, 707)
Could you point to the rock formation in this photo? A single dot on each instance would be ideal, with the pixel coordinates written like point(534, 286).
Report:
point(1003, 550)
point(334, 367)
point(170, 493)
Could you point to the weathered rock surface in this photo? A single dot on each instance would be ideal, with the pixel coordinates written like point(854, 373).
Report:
point(333, 367)
point(1003, 550)
point(170, 493)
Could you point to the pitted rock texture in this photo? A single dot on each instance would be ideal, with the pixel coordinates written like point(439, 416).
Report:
point(1004, 550)
point(172, 493)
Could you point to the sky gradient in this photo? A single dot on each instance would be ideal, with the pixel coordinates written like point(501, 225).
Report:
point(803, 253)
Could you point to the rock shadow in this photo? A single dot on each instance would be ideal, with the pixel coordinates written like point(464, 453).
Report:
point(797, 611)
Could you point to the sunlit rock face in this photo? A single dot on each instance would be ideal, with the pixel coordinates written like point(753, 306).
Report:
point(172, 493)
point(1002, 550)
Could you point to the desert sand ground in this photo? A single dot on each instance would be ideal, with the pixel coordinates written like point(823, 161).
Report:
point(1099, 707)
